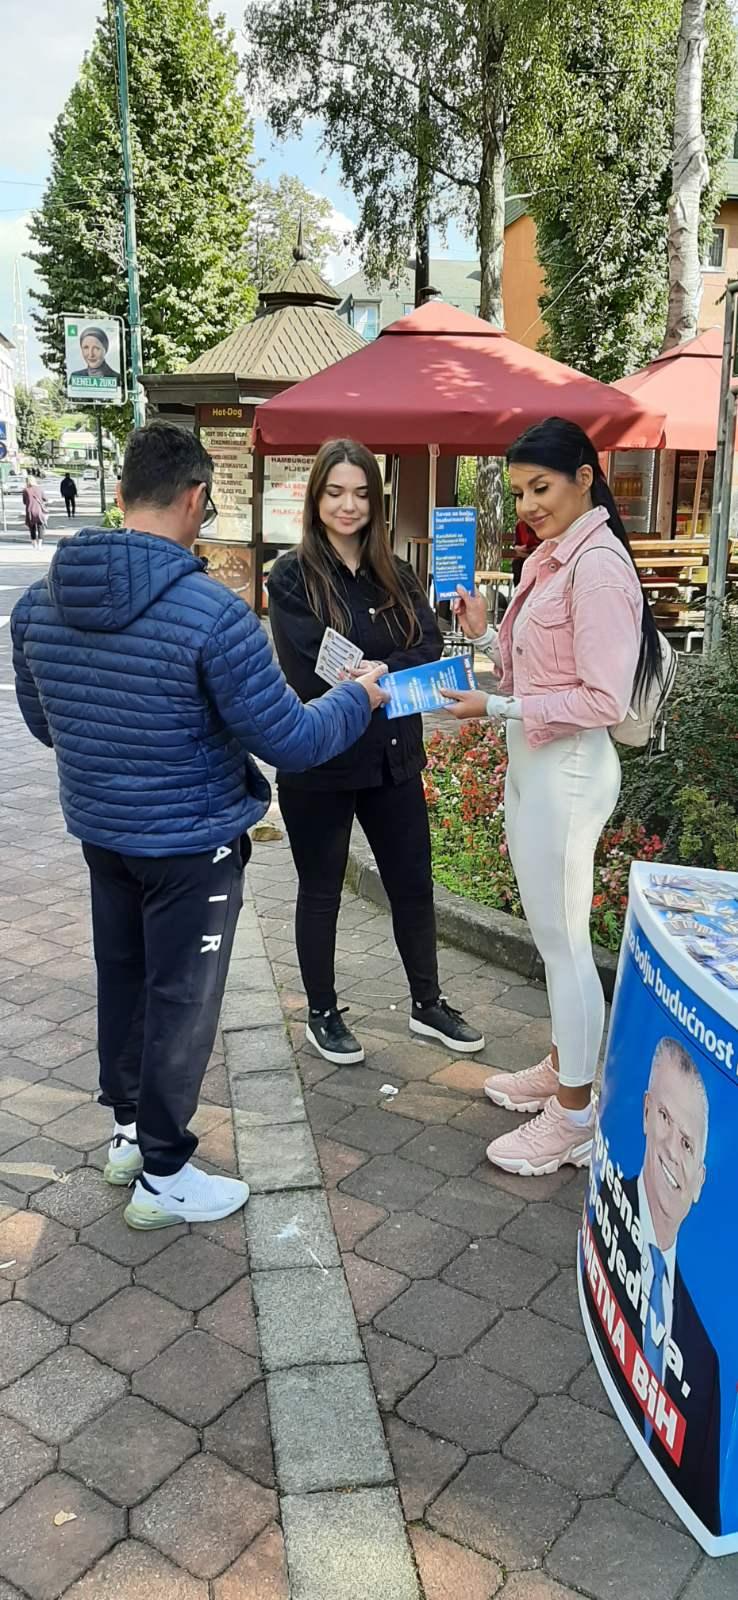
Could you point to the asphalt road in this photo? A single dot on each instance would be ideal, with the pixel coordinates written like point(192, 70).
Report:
point(87, 515)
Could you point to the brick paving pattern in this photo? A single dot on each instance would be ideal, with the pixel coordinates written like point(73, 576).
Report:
point(137, 1460)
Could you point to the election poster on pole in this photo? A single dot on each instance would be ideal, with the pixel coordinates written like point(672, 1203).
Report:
point(94, 357)
point(658, 1286)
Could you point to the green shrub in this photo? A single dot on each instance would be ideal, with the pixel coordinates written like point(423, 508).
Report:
point(701, 755)
point(112, 518)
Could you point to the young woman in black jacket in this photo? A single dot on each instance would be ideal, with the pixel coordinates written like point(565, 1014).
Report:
point(344, 576)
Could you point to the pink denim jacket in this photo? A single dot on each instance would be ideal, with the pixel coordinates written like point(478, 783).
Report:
point(577, 658)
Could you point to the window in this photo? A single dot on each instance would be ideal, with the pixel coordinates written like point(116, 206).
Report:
point(716, 253)
point(735, 145)
point(366, 319)
point(406, 310)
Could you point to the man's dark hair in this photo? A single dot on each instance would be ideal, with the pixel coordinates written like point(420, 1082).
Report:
point(161, 461)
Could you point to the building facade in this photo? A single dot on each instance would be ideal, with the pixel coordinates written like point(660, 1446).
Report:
point(721, 263)
point(7, 399)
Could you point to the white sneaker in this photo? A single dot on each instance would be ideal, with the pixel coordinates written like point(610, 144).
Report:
point(125, 1161)
point(190, 1196)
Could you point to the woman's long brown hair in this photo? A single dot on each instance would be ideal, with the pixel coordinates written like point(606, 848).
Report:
point(316, 555)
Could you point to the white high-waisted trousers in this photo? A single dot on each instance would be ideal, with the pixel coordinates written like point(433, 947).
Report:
point(558, 798)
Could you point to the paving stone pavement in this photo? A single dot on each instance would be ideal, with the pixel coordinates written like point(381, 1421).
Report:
point(174, 1407)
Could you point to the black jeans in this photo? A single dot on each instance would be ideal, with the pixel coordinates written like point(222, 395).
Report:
point(70, 504)
point(163, 931)
point(395, 821)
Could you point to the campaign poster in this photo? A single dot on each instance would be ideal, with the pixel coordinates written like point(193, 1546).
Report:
point(454, 549)
point(658, 1285)
point(93, 359)
point(225, 431)
point(285, 482)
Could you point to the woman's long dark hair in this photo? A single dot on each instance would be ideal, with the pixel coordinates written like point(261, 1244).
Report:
point(565, 447)
point(317, 559)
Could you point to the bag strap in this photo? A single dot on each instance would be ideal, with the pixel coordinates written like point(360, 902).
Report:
point(591, 548)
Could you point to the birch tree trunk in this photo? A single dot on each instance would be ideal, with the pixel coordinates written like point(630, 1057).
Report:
point(491, 256)
point(690, 174)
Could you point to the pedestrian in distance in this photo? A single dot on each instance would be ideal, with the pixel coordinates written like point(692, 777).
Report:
point(156, 688)
point(68, 490)
point(344, 575)
point(36, 511)
point(576, 647)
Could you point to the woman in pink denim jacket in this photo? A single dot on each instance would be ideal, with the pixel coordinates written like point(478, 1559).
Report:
point(575, 643)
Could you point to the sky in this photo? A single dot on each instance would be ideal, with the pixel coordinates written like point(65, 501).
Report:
point(43, 43)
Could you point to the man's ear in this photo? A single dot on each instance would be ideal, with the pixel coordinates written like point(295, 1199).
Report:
point(119, 499)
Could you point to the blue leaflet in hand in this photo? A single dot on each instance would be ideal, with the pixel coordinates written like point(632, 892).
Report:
point(454, 549)
point(418, 688)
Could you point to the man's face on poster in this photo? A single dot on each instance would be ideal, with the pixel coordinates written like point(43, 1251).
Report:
point(674, 1123)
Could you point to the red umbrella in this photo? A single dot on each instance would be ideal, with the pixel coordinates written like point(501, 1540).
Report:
point(442, 377)
point(684, 383)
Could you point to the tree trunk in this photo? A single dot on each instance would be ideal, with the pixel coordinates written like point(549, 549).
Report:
point(491, 235)
point(422, 198)
point(690, 174)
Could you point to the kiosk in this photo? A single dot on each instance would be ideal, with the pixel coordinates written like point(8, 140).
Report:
point(658, 1284)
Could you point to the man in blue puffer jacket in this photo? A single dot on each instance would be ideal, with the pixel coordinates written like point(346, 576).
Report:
point(156, 687)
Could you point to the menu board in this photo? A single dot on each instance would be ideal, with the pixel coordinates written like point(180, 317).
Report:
point(285, 482)
point(229, 444)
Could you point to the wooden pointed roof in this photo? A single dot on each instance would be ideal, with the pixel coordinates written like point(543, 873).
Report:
point(295, 333)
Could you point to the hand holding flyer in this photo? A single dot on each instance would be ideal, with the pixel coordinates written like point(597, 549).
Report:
point(419, 688)
point(336, 657)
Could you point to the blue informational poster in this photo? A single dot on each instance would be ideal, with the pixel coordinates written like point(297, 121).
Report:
point(454, 549)
point(418, 688)
point(658, 1257)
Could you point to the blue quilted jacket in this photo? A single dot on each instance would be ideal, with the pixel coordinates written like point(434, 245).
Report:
point(156, 686)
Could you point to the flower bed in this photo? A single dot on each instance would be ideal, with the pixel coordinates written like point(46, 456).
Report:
point(464, 786)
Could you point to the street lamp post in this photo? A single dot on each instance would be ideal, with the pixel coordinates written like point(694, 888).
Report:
point(134, 300)
point(723, 483)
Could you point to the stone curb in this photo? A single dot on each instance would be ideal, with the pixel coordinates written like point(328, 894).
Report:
point(492, 935)
point(326, 1427)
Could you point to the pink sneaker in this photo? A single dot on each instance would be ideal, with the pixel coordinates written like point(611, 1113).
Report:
point(550, 1141)
point(524, 1091)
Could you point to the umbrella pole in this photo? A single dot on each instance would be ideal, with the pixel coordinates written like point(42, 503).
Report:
point(698, 492)
point(433, 454)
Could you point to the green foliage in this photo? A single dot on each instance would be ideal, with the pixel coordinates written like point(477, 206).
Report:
point(112, 518)
point(709, 836)
point(416, 103)
point(688, 794)
point(191, 147)
point(29, 417)
point(601, 192)
point(276, 210)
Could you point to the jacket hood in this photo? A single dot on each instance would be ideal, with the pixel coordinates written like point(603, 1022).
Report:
point(102, 579)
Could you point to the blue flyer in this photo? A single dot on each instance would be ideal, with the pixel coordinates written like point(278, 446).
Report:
point(658, 1287)
point(454, 549)
point(418, 688)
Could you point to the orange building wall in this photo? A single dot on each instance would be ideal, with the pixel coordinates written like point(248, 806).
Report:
point(712, 315)
point(522, 283)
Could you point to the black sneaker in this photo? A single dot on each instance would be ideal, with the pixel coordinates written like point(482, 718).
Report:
point(327, 1031)
point(439, 1021)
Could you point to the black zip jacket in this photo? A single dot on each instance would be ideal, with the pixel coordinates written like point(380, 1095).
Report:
point(389, 751)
